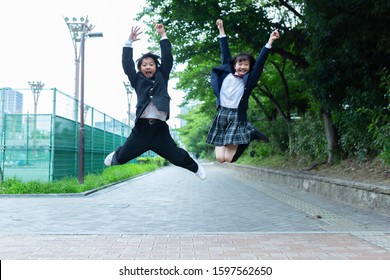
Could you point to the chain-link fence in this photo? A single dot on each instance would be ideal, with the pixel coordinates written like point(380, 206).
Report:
point(40, 135)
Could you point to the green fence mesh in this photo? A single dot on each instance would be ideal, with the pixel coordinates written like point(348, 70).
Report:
point(26, 149)
point(44, 145)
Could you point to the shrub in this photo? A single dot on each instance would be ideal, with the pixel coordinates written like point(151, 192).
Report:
point(308, 138)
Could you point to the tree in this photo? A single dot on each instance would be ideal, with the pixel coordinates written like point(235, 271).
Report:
point(346, 56)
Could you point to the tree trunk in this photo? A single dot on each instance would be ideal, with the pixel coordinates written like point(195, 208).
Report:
point(331, 135)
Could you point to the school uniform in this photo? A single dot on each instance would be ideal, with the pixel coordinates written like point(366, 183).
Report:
point(230, 124)
point(151, 132)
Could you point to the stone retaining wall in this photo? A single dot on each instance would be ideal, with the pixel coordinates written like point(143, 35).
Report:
point(356, 193)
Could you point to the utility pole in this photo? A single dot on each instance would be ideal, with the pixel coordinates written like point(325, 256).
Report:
point(36, 88)
point(80, 30)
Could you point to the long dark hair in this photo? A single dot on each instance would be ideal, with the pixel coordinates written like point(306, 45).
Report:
point(243, 56)
point(153, 56)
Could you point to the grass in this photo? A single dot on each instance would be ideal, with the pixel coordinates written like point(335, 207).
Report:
point(71, 185)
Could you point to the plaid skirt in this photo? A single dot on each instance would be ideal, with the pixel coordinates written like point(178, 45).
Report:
point(226, 129)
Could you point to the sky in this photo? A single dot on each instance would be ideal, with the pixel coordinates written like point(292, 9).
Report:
point(36, 46)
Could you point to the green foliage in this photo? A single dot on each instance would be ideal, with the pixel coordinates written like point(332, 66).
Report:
point(278, 133)
point(91, 181)
point(194, 133)
point(329, 51)
point(309, 140)
point(382, 136)
point(158, 161)
point(380, 124)
point(258, 150)
point(194, 80)
point(363, 122)
point(355, 139)
point(340, 32)
point(346, 57)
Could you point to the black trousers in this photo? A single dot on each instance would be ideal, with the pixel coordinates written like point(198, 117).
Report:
point(155, 136)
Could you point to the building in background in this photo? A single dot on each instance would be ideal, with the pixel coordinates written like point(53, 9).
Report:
point(13, 101)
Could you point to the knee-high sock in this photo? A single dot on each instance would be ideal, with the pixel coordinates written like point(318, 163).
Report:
point(240, 150)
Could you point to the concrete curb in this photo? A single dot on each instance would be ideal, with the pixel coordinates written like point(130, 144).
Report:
point(360, 194)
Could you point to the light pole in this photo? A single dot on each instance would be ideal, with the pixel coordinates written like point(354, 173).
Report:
point(80, 30)
point(36, 88)
point(76, 27)
point(129, 91)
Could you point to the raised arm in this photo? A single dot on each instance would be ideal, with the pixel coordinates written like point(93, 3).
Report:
point(166, 51)
point(225, 52)
point(127, 55)
point(260, 61)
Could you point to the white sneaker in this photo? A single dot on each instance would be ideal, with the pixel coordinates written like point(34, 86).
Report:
point(201, 173)
point(108, 159)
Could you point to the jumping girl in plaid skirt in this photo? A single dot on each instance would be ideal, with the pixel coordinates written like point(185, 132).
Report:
point(233, 82)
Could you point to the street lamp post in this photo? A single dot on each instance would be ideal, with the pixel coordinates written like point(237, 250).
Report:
point(129, 91)
point(36, 88)
point(80, 30)
point(76, 28)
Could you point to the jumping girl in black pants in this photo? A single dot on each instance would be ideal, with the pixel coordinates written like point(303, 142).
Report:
point(151, 131)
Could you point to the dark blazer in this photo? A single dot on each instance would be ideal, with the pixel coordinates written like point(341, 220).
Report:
point(155, 88)
point(218, 74)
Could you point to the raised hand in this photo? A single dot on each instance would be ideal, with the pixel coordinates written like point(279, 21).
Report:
point(219, 24)
point(135, 32)
point(274, 36)
point(160, 29)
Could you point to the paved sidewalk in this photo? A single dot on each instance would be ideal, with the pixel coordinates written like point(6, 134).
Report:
point(243, 246)
point(171, 214)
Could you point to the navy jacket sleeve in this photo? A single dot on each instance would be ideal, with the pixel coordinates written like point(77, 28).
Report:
point(129, 65)
point(219, 73)
point(225, 52)
point(254, 75)
point(166, 58)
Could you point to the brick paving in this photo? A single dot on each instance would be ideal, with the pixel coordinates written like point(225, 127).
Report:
point(259, 246)
point(170, 214)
